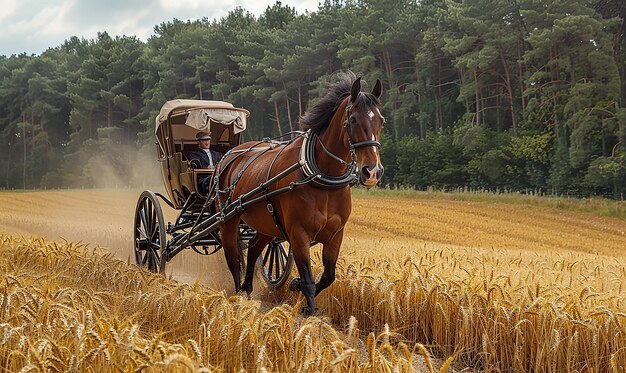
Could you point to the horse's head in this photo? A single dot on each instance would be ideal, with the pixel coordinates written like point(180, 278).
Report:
point(364, 125)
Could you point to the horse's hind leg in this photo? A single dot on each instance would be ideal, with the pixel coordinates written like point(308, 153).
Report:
point(256, 245)
point(230, 235)
point(330, 253)
point(301, 255)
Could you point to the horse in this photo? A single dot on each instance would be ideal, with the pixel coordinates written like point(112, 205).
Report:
point(343, 132)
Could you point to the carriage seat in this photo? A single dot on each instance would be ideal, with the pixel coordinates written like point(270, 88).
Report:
point(197, 174)
point(188, 176)
point(194, 175)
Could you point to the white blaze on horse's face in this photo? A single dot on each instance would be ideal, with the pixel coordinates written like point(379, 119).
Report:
point(367, 125)
point(379, 114)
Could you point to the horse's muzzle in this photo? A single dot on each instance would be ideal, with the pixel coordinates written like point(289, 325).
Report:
point(370, 175)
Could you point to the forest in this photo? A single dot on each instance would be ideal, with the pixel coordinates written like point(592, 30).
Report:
point(522, 95)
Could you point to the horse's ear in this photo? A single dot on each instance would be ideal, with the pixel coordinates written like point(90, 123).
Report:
point(356, 89)
point(378, 89)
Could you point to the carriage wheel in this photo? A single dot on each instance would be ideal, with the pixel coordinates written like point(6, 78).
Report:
point(150, 236)
point(276, 261)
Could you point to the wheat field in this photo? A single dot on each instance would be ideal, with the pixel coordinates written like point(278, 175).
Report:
point(425, 283)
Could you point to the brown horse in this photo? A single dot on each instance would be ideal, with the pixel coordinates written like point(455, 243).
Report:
point(343, 133)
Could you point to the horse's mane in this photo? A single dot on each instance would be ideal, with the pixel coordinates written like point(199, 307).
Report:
point(319, 116)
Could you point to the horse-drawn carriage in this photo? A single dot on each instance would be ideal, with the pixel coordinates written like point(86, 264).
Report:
point(275, 198)
point(177, 124)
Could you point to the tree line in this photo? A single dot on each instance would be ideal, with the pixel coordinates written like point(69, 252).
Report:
point(518, 95)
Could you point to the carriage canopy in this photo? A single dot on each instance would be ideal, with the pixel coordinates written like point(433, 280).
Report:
point(180, 120)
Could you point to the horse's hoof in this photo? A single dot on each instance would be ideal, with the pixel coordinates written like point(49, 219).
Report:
point(294, 285)
point(307, 312)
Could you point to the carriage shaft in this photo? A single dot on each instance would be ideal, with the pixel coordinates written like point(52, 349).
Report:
point(238, 206)
point(233, 209)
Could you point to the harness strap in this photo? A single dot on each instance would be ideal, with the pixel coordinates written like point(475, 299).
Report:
point(277, 221)
point(270, 206)
point(224, 165)
point(360, 144)
point(230, 157)
point(331, 153)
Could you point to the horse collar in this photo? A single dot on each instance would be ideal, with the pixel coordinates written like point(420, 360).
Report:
point(310, 169)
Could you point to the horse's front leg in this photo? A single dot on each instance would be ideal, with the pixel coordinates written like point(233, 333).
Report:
point(330, 253)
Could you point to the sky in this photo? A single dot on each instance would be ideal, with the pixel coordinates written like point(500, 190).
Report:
point(32, 26)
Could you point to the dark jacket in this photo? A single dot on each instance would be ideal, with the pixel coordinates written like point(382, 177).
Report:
point(199, 159)
point(200, 156)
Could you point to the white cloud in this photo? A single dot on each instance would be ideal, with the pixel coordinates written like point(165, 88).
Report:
point(50, 21)
point(190, 5)
point(32, 26)
point(7, 7)
point(138, 26)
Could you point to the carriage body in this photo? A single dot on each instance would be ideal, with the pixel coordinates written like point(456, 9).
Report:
point(177, 124)
point(197, 224)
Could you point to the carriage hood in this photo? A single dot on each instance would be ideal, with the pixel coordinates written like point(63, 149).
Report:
point(200, 114)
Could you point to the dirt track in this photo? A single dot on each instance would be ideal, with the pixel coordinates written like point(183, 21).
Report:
point(101, 218)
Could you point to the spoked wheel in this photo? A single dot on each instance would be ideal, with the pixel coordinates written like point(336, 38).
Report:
point(276, 261)
point(149, 233)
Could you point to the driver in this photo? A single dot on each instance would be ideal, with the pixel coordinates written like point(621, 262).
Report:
point(204, 157)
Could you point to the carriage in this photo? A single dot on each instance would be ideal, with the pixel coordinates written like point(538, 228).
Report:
point(274, 198)
point(157, 242)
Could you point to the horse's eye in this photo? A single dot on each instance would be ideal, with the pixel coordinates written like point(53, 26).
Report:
point(353, 119)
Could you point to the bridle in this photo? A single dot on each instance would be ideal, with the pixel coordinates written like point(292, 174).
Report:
point(359, 144)
point(310, 168)
point(352, 145)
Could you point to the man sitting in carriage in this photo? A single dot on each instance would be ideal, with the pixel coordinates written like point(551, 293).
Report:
point(204, 157)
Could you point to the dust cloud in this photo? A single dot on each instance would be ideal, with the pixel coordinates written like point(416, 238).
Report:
point(100, 212)
point(125, 167)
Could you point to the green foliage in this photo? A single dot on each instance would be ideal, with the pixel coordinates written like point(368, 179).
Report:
point(433, 161)
point(471, 139)
point(608, 173)
point(483, 94)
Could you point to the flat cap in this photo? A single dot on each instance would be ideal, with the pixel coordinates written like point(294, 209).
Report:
point(203, 136)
